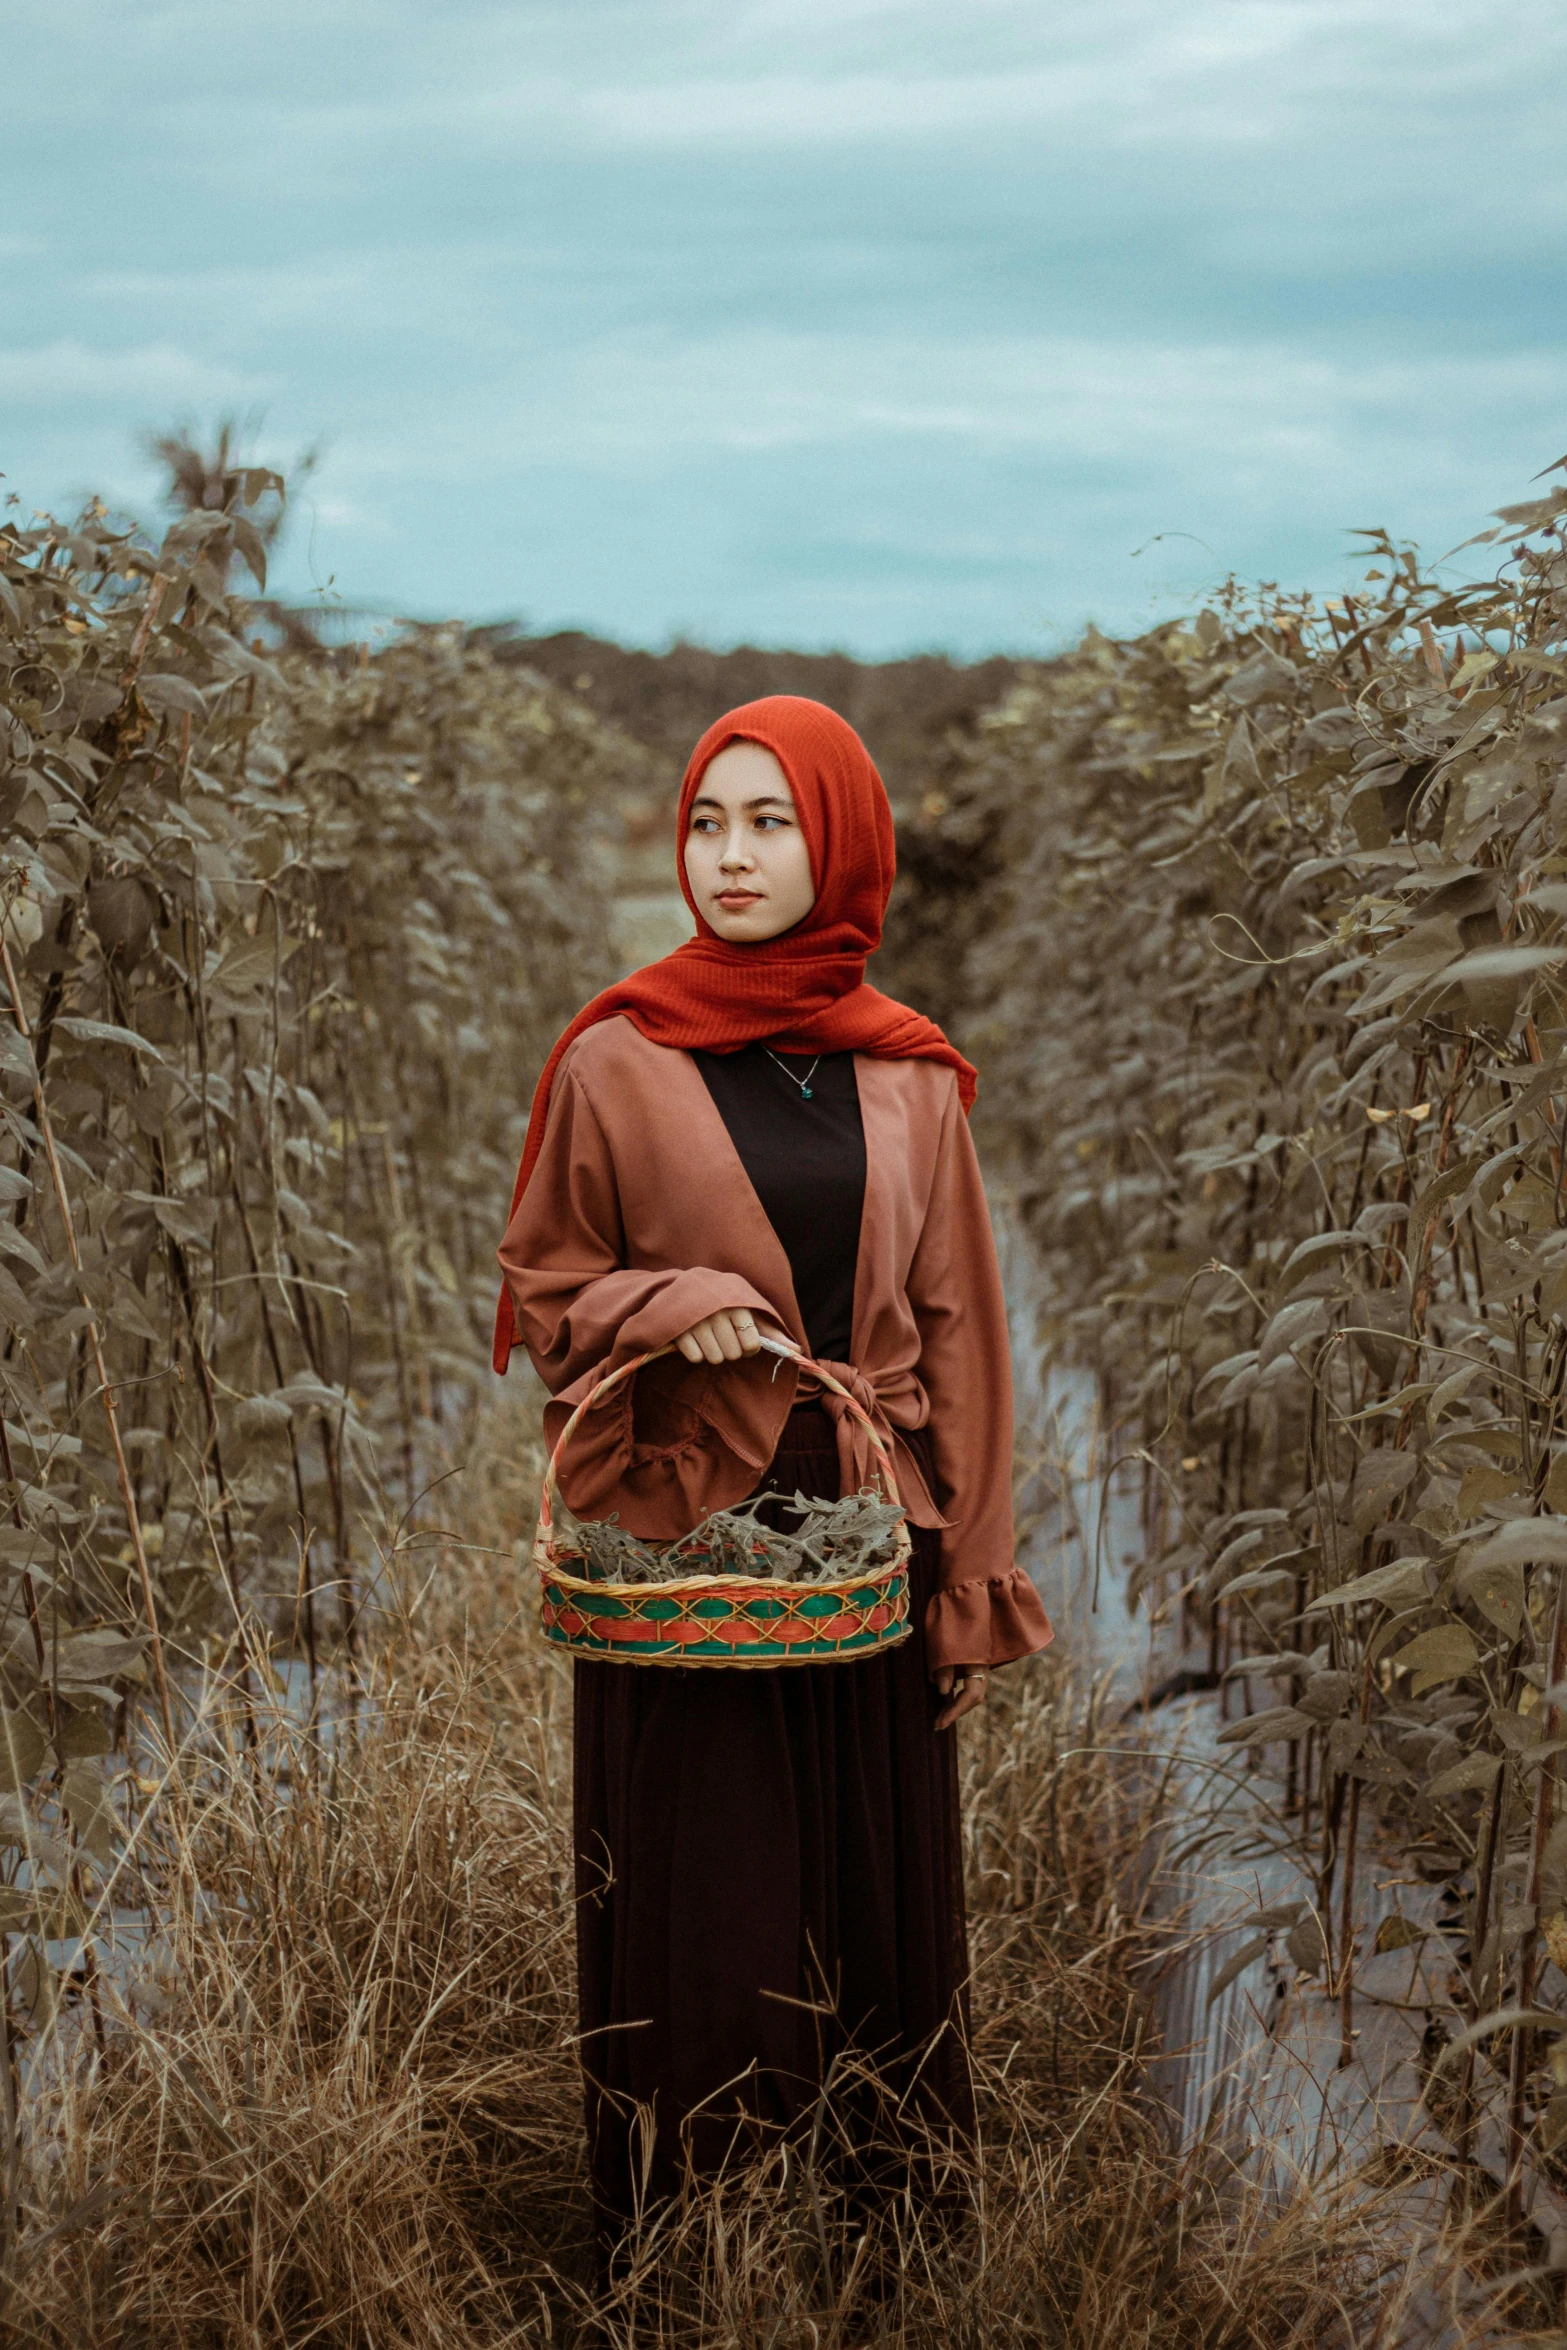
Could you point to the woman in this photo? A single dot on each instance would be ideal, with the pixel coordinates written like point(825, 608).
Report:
point(741, 1140)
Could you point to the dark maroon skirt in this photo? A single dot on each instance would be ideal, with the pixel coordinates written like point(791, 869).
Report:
point(769, 1872)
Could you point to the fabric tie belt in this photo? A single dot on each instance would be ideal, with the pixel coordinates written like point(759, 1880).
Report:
point(853, 1438)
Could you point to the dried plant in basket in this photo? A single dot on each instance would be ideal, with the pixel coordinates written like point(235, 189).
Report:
point(834, 1539)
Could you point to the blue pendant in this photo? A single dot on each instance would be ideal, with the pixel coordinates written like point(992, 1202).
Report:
point(805, 1093)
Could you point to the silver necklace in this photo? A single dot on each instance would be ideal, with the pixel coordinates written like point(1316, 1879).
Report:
point(804, 1083)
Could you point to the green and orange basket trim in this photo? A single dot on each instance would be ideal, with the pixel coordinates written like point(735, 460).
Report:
point(719, 1619)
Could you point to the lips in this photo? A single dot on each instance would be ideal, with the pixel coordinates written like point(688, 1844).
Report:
point(734, 900)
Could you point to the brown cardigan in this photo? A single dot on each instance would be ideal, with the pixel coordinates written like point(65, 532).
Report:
point(639, 1220)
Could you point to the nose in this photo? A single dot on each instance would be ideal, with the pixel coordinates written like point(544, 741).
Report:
point(737, 856)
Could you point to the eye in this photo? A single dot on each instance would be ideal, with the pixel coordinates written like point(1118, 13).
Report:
point(705, 824)
point(771, 823)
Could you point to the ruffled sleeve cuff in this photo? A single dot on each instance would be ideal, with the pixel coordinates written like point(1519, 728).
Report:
point(679, 1440)
point(990, 1621)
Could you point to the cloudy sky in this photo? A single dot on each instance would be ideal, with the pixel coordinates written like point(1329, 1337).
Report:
point(875, 323)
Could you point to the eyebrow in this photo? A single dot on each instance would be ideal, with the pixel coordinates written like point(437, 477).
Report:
point(770, 799)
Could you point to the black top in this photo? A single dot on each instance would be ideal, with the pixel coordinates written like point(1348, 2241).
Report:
point(806, 1161)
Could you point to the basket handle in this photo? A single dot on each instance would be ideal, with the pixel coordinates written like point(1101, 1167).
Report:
point(613, 1379)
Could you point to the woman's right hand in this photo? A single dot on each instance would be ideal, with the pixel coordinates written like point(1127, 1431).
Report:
point(724, 1337)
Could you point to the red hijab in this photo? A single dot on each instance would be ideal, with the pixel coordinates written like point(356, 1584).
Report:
point(804, 991)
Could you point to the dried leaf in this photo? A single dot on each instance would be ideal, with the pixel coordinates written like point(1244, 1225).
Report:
point(1476, 1774)
point(1524, 1542)
point(165, 692)
point(1321, 1249)
point(1292, 1326)
point(80, 1735)
point(1381, 1477)
point(1326, 1695)
point(105, 1032)
point(1277, 1721)
point(1394, 1585)
point(1442, 1654)
point(1505, 962)
point(93, 1657)
point(1496, 1587)
point(1307, 1944)
point(1237, 1965)
point(1481, 1487)
point(1377, 1322)
point(22, 1749)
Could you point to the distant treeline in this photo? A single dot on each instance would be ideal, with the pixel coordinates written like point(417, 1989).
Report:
point(904, 709)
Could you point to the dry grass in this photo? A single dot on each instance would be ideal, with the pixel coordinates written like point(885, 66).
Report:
point(337, 2102)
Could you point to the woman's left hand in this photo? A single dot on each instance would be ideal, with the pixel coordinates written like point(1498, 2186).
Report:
point(966, 1686)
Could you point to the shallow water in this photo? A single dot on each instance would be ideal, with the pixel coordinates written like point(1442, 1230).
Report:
point(1254, 2067)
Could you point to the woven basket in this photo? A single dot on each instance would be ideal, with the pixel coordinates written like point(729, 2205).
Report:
point(718, 1619)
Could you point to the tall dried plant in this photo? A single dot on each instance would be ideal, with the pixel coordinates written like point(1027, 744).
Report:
point(1270, 977)
point(284, 941)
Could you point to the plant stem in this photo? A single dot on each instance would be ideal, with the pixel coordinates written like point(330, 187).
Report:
point(105, 1385)
point(1528, 1953)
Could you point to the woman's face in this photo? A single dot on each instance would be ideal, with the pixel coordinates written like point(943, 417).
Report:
point(746, 858)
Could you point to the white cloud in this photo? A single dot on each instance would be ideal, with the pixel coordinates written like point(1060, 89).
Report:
point(634, 401)
point(133, 375)
point(299, 289)
point(718, 76)
point(808, 74)
point(348, 514)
